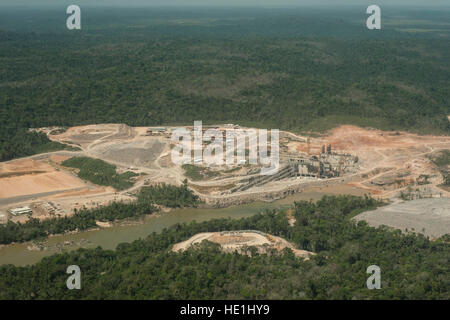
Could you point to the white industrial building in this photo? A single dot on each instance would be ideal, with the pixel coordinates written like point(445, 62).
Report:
point(20, 211)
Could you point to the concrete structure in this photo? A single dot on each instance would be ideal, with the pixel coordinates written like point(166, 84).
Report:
point(157, 131)
point(52, 209)
point(20, 211)
point(327, 164)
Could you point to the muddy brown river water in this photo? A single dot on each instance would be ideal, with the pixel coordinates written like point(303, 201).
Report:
point(109, 238)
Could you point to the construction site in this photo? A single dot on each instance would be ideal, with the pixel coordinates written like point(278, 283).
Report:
point(325, 165)
point(346, 159)
point(240, 241)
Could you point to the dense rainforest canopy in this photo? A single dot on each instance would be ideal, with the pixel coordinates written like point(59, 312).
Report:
point(100, 172)
point(412, 266)
point(301, 70)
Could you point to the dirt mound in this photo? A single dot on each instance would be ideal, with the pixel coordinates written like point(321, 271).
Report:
point(86, 135)
point(240, 241)
point(136, 153)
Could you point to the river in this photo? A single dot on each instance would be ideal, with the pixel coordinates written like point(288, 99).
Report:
point(109, 238)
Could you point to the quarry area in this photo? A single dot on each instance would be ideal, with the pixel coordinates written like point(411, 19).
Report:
point(387, 165)
point(430, 217)
point(240, 241)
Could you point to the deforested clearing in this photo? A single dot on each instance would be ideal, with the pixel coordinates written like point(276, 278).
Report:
point(32, 177)
point(240, 241)
point(430, 217)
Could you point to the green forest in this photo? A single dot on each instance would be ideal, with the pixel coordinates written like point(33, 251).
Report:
point(100, 172)
point(21, 143)
point(196, 173)
point(300, 70)
point(305, 70)
point(168, 196)
point(412, 266)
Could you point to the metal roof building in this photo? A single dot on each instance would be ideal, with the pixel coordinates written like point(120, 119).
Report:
point(20, 211)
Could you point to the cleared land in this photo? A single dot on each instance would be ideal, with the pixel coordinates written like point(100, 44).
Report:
point(390, 163)
point(231, 241)
point(25, 177)
point(430, 217)
point(136, 153)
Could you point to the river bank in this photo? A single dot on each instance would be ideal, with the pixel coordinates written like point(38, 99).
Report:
point(131, 230)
